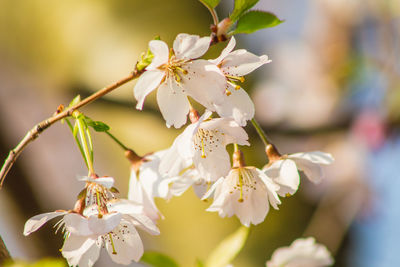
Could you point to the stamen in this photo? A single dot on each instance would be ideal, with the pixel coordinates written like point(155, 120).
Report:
point(177, 77)
point(203, 153)
point(112, 244)
point(240, 186)
point(182, 70)
point(227, 92)
point(236, 78)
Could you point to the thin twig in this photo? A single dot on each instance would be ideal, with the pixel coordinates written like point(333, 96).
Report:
point(40, 127)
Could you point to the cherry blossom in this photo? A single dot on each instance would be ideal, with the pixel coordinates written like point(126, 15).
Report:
point(234, 65)
point(147, 183)
point(285, 170)
point(245, 192)
point(86, 233)
point(203, 145)
point(177, 75)
point(303, 252)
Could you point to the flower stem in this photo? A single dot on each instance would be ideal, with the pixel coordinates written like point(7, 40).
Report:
point(260, 132)
point(117, 141)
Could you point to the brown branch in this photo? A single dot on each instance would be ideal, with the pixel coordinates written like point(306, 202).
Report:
point(4, 254)
point(40, 127)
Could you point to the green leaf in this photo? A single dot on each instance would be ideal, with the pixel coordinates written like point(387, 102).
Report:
point(256, 20)
point(241, 6)
point(228, 248)
point(75, 101)
point(49, 262)
point(199, 263)
point(210, 3)
point(98, 126)
point(75, 129)
point(157, 259)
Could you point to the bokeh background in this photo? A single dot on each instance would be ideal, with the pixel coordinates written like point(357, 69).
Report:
point(333, 85)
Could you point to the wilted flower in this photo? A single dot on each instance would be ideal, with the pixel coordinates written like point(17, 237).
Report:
point(303, 252)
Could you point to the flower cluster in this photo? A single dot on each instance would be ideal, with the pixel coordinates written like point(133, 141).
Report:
point(99, 220)
point(198, 156)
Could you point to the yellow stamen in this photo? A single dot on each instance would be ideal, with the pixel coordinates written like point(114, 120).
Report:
point(112, 244)
point(237, 78)
point(237, 87)
point(182, 70)
point(203, 153)
point(241, 187)
point(177, 77)
point(227, 92)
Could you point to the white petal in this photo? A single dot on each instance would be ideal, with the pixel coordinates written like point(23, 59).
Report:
point(105, 224)
point(240, 63)
point(272, 189)
point(284, 173)
point(200, 188)
point(124, 206)
point(147, 82)
point(302, 252)
point(225, 52)
point(215, 165)
point(238, 105)
point(154, 184)
point(311, 170)
point(107, 182)
point(81, 250)
point(127, 244)
point(190, 46)
point(173, 103)
point(138, 194)
point(172, 163)
point(143, 222)
point(37, 221)
point(180, 185)
point(317, 157)
point(77, 224)
point(233, 133)
point(161, 54)
point(211, 191)
point(204, 82)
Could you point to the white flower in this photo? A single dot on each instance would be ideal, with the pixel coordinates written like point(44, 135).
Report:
point(246, 192)
point(303, 252)
point(88, 232)
point(284, 171)
point(188, 178)
point(234, 65)
point(203, 144)
point(177, 76)
point(147, 184)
